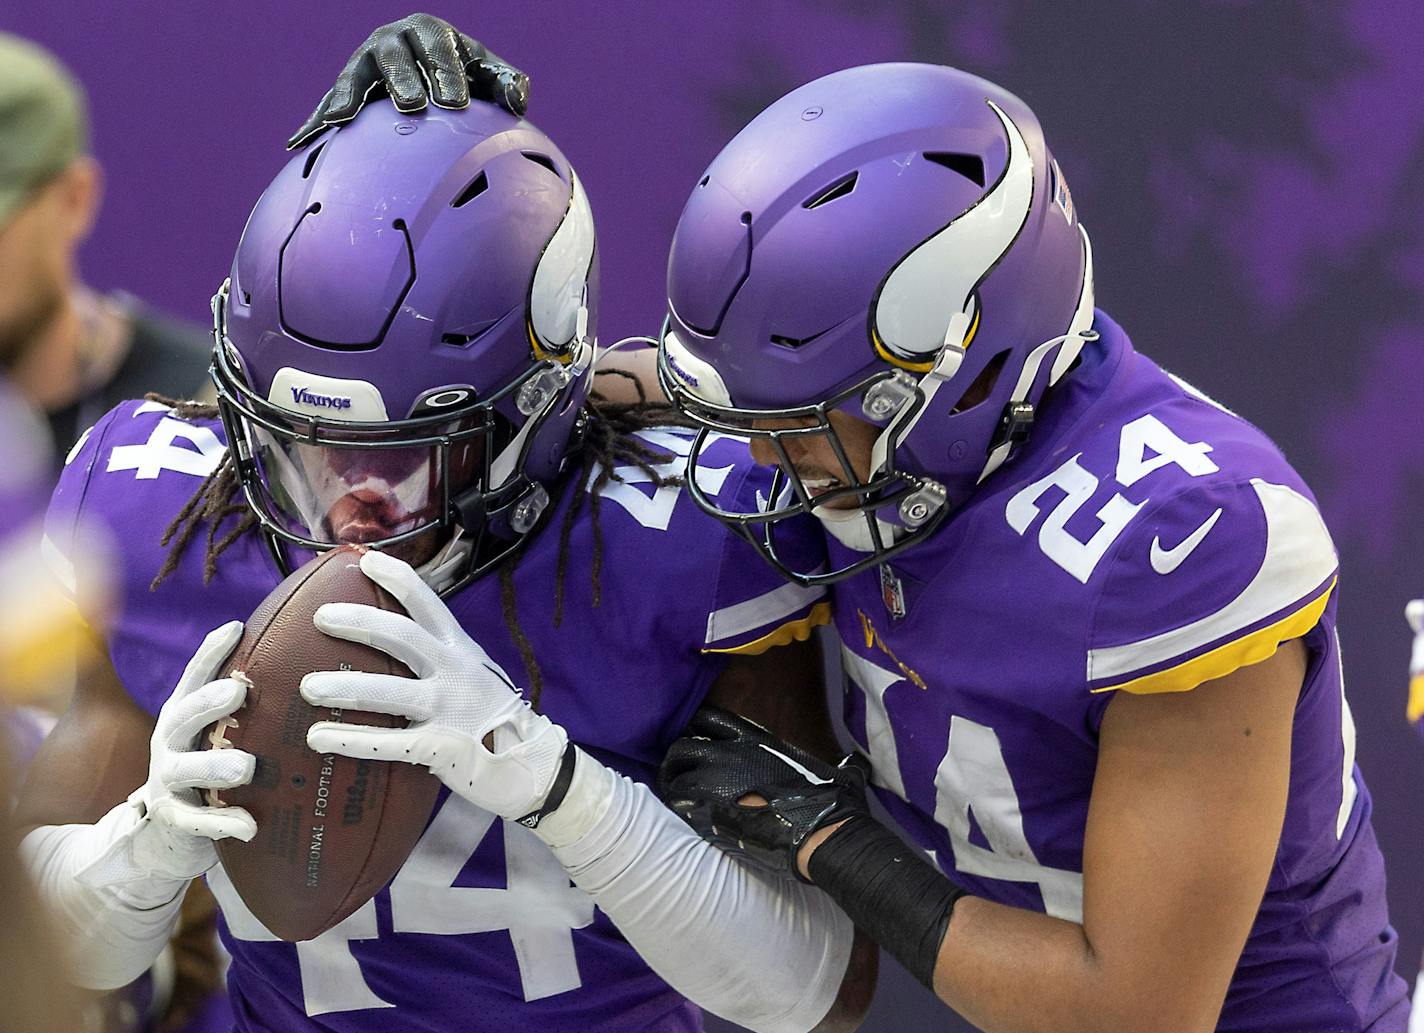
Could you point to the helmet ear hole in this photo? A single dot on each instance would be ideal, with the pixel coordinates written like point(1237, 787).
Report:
point(983, 385)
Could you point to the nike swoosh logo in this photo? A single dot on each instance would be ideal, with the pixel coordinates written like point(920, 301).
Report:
point(811, 777)
point(1164, 561)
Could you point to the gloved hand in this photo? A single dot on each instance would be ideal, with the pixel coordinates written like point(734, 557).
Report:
point(722, 758)
point(416, 59)
point(165, 832)
point(469, 724)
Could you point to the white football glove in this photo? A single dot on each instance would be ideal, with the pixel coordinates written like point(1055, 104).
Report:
point(457, 697)
point(165, 831)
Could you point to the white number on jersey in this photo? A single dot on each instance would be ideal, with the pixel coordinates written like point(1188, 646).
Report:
point(655, 511)
point(1146, 444)
point(1058, 544)
point(1148, 434)
point(973, 777)
point(199, 456)
point(538, 907)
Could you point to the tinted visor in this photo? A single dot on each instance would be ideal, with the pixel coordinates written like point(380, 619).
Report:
point(364, 487)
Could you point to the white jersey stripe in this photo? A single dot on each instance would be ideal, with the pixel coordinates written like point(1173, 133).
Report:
point(763, 611)
point(1299, 558)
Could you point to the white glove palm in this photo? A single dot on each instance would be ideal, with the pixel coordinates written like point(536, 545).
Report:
point(458, 697)
point(165, 831)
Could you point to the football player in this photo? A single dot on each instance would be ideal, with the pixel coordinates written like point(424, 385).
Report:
point(1087, 614)
point(884, 280)
point(403, 354)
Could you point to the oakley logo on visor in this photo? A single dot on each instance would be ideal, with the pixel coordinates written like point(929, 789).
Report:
point(301, 396)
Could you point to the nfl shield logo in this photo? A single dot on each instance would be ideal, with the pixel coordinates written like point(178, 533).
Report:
point(892, 593)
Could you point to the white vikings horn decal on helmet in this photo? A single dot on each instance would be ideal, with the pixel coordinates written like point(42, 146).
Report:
point(927, 301)
point(558, 292)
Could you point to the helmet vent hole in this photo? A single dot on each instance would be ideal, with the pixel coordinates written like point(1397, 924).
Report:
point(542, 159)
point(787, 342)
point(746, 218)
point(311, 159)
point(247, 297)
point(970, 166)
point(705, 181)
point(314, 208)
point(839, 188)
point(983, 385)
point(476, 187)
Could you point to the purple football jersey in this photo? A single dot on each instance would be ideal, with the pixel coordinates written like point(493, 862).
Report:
point(482, 920)
point(1147, 540)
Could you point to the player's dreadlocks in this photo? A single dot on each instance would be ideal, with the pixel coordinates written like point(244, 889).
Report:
point(609, 442)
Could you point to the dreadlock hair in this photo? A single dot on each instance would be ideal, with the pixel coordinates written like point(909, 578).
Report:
point(609, 441)
point(215, 500)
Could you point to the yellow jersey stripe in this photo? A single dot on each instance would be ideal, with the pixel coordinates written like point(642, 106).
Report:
point(1416, 697)
point(791, 631)
point(1221, 661)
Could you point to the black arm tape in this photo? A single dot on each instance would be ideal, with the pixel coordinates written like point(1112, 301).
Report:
point(889, 891)
point(557, 791)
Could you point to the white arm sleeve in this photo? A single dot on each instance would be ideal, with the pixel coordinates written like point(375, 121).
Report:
point(113, 922)
point(765, 952)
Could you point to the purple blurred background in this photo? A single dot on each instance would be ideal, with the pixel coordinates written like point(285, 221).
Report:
point(1248, 170)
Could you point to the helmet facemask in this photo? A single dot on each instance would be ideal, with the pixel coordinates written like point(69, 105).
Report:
point(916, 264)
point(403, 346)
point(880, 514)
point(444, 489)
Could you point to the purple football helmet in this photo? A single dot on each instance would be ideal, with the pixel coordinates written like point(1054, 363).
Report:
point(894, 242)
point(403, 345)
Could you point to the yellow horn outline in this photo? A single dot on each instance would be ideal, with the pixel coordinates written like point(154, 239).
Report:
point(916, 367)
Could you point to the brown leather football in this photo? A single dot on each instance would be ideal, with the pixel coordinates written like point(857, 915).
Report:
point(331, 831)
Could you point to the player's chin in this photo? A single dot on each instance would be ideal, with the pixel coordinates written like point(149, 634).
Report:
point(418, 550)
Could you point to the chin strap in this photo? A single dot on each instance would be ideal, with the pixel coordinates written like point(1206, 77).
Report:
point(446, 567)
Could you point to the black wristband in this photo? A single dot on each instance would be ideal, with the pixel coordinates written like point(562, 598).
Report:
point(889, 891)
point(557, 791)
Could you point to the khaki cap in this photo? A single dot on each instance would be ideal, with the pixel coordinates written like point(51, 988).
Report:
point(43, 124)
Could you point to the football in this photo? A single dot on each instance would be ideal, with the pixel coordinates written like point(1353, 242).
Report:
point(331, 831)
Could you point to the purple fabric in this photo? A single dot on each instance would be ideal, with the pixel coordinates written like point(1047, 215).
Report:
point(1249, 173)
point(965, 667)
point(623, 677)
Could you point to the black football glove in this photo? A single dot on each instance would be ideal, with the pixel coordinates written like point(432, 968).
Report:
point(722, 757)
point(417, 59)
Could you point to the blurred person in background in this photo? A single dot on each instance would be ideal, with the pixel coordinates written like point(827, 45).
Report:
point(69, 354)
point(73, 352)
point(27, 979)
